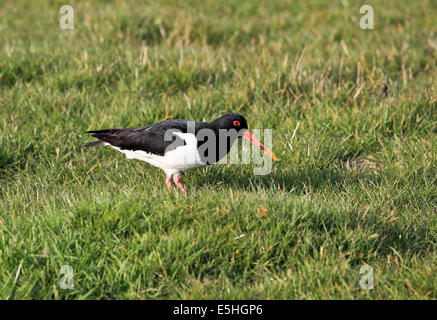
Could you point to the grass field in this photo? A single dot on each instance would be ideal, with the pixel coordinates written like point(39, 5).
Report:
point(355, 186)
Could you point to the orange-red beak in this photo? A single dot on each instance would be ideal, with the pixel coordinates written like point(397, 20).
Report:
point(248, 136)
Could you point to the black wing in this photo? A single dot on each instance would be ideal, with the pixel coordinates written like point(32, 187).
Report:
point(156, 138)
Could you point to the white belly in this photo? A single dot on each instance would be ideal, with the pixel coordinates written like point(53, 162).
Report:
point(180, 159)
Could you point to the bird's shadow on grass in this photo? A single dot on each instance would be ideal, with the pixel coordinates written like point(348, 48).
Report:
point(290, 179)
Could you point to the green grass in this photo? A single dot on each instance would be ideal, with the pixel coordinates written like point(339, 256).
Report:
point(356, 185)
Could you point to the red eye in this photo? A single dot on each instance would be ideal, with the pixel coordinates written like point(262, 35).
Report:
point(236, 123)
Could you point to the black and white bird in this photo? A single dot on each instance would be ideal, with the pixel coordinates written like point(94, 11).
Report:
point(179, 145)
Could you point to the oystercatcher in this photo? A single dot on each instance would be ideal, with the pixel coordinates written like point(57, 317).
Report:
point(179, 145)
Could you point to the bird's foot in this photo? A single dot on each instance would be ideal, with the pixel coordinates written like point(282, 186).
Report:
point(177, 181)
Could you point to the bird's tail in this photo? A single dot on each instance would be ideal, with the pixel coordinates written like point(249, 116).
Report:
point(105, 136)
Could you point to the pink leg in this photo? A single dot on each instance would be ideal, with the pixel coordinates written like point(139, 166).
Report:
point(168, 183)
point(177, 181)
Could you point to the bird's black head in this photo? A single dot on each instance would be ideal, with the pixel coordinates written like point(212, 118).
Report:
point(231, 121)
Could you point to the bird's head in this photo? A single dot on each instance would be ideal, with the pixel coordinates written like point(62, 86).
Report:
point(238, 122)
point(231, 121)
